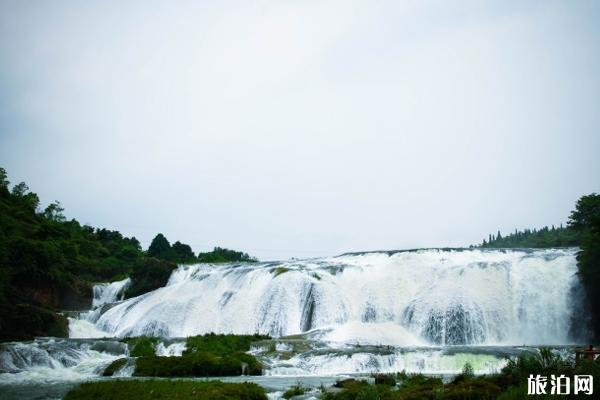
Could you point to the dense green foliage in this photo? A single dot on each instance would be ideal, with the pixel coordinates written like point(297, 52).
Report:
point(542, 238)
point(585, 220)
point(166, 389)
point(198, 364)
point(179, 252)
point(221, 344)
point(208, 355)
point(220, 255)
point(141, 346)
point(48, 263)
point(148, 274)
point(510, 383)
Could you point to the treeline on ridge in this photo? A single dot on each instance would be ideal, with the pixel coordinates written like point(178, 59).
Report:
point(542, 238)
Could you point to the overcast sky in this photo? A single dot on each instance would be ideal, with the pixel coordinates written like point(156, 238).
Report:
point(303, 128)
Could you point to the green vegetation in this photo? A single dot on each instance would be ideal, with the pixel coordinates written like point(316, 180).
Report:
point(220, 255)
point(48, 263)
point(166, 389)
point(510, 383)
point(208, 355)
point(148, 274)
point(162, 249)
point(280, 270)
point(542, 238)
point(294, 391)
point(585, 220)
point(141, 346)
point(114, 366)
point(221, 344)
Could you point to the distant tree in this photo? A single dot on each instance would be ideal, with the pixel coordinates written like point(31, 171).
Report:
point(54, 212)
point(26, 198)
point(20, 189)
point(586, 212)
point(498, 236)
point(160, 247)
point(182, 252)
point(220, 254)
point(585, 219)
point(135, 243)
point(3, 179)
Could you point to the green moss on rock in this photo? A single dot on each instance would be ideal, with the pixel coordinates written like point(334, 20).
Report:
point(114, 366)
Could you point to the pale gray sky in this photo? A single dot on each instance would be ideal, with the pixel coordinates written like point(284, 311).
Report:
point(303, 128)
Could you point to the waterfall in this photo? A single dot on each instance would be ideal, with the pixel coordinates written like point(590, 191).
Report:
point(431, 297)
point(105, 293)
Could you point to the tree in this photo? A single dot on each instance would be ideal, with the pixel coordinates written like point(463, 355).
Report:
point(182, 252)
point(54, 212)
point(160, 247)
point(3, 179)
point(20, 189)
point(586, 210)
point(586, 220)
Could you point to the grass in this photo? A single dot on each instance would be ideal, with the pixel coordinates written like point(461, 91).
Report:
point(166, 389)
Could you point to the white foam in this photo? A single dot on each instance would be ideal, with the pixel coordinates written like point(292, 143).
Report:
point(173, 350)
point(109, 292)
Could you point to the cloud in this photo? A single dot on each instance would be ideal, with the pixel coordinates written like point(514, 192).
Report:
point(299, 129)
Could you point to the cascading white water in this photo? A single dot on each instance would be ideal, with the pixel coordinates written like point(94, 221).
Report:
point(105, 293)
point(407, 298)
point(63, 359)
point(433, 361)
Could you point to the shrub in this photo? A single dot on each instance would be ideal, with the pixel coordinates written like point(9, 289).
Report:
point(143, 346)
point(294, 391)
point(385, 379)
point(221, 344)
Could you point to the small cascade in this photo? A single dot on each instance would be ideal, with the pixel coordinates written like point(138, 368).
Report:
point(105, 293)
point(175, 349)
point(61, 359)
point(126, 370)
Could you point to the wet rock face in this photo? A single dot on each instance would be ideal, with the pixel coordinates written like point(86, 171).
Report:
point(26, 322)
point(451, 325)
point(41, 295)
point(77, 297)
